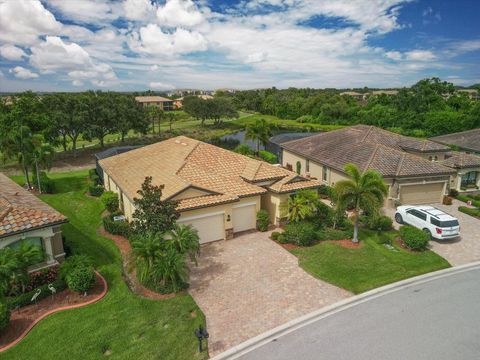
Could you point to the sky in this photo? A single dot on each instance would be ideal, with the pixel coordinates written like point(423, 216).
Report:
point(136, 45)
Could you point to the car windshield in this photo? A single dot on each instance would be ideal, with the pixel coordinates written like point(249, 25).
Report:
point(449, 223)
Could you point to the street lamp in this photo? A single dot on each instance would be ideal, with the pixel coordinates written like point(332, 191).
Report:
point(201, 334)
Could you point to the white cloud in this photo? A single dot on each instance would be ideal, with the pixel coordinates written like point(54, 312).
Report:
point(154, 67)
point(22, 73)
point(77, 83)
point(394, 55)
point(420, 55)
point(11, 52)
point(152, 40)
point(23, 21)
point(179, 13)
point(138, 9)
point(87, 11)
point(161, 86)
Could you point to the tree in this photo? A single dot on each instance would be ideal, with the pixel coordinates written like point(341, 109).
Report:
point(42, 155)
point(361, 192)
point(154, 114)
point(259, 132)
point(152, 214)
point(130, 116)
point(101, 115)
point(185, 240)
point(300, 206)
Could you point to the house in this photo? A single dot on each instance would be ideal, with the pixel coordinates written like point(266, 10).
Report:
point(468, 141)
point(218, 191)
point(159, 101)
point(467, 166)
point(383, 92)
point(23, 217)
point(416, 171)
point(471, 93)
point(108, 153)
point(178, 103)
point(354, 94)
point(274, 143)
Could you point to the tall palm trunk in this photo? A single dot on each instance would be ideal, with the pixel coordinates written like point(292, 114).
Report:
point(38, 177)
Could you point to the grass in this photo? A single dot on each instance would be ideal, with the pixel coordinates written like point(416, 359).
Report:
point(123, 324)
point(283, 123)
point(368, 267)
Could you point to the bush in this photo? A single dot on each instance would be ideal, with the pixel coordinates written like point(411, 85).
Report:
point(4, 315)
point(42, 277)
point(25, 299)
point(92, 173)
point(110, 200)
point(262, 220)
point(463, 198)
point(275, 235)
point(282, 239)
point(447, 200)
point(95, 190)
point(467, 198)
point(475, 197)
point(46, 184)
point(81, 278)
point(453, 193)
point(381, 223)
point(121, 228)
point(244, 150)
point(301, 234)
point(414, 238)
point(73, 262)
point(325, 191)
point(268, 156)
point(334, 234)
point(470, 211)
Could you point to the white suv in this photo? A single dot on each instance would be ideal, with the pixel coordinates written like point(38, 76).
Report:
point(431, 220)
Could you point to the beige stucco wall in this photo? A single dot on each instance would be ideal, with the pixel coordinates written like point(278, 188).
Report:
point(271, 202)
point(455, 182)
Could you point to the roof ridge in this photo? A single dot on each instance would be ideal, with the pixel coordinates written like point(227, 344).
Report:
point(371, 157)
point(400, 164)
point(368, 133)
point(186, 156)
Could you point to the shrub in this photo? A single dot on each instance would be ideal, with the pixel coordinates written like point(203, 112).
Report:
point(80, 279)
point(463, 198)
point(46, 184)
point(95, 190)
point(447, 200)
point(244, 150)
point(453, 193)
point(334, 234)
point(4, 315)
point(302, 234)
point(42, 277)
point(72, 263)
point(110, 200)
point(475, 197)
point(381, 223)
point(470, 211)
point(121, 228)
point(92, 173)
point(324, 191)
point(262, 220)
point(268, 156)
point(275, 235)
point(26, 298)
point(282, 239)
point(414, 238)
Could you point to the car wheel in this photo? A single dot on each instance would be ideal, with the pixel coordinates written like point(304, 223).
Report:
point(426, 231)
point(398, 218)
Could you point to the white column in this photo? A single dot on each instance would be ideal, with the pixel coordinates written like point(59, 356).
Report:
point(47, 244)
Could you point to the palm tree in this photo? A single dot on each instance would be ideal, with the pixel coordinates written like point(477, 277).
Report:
point(42, 154)
point(170, 269)
point(185, 239)
point(258, 132)
point(147, 250)
point(300, 206)
point(365, 192)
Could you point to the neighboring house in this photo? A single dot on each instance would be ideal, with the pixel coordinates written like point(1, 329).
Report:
point(416, 171)
point(159, 101)
point(468, 141)
point(24, 217)
point(383, 92)
point(108, 153)
point(471, 93)
point(178, 103)
point(274, 143)
point(468, 170)
point(219, 192)
point(354, 94)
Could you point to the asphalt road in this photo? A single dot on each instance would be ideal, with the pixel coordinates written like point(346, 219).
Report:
point(436, 320)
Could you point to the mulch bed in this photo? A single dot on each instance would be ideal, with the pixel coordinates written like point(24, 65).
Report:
point(347, 243)
point(129, 272)
point(24, 318)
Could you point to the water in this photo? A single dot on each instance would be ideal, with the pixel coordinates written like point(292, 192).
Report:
point(240, 137)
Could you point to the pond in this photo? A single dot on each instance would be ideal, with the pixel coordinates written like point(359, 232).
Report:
point(239, 138)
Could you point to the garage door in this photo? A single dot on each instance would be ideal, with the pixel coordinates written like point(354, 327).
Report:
point(421, 194)
point(210, 227)
point(244, 217)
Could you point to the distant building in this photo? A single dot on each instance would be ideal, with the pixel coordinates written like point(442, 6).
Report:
point(354, 94)
point(275, 141)
point(472, 93)
point(159, 101)
point(178, 103)
point(384, 92)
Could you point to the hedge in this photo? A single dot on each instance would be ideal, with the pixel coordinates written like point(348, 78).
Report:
point(414, 238)
point(262, 220)
point(4, 315)
point(301, 234)
point(25, 299)
point(121, 228)
point(95, 190)
point(81, 278)
point(466, 198)
point(470, 211)
point(268, 156)
point(110, 200)
point(381, 223)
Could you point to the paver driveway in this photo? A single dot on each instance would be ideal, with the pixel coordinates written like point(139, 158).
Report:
point(249, 285)
point(456, 251)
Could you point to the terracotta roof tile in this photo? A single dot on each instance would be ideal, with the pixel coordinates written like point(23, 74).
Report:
point(21, 210)
point(456, 159)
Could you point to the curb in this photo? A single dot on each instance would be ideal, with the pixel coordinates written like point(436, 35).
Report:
point(259, 340)
point(36, 321)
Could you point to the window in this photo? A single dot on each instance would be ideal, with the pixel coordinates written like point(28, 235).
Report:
point(433, 158)
point(37, 241)
point(307, 165)
point(469, 178)
point(418, 214)
point(324, 174)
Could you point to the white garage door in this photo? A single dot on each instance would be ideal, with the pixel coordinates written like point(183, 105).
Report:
point(210, 227)
point(244, 217)
point(421, 194)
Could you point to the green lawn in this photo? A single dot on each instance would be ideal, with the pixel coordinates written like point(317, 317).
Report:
point(128, 326)
point(368, 267)
point(292, 124)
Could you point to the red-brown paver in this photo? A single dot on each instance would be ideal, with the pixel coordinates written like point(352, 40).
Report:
point(249, 285)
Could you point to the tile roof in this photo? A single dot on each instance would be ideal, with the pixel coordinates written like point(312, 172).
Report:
point(181, 162)
point(468, 140)
point(22, 211)
point(369, 147)
point(146, 99)
point(460, 160)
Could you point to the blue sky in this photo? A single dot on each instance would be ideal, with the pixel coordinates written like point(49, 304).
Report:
point(51, 45)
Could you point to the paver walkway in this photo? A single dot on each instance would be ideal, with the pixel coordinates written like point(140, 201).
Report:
point(457, 251)
point(249, 285)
